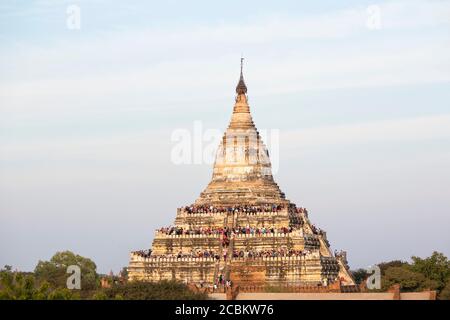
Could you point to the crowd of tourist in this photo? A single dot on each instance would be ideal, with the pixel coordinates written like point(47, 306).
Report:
point(302, 210)
point(198, 254)
point(316, 230)
point(268, 253)
point(143, 253)
point(236, 253)
point(296, 220)
point(221, 283)
point(248, 209)
point(260, 231)
point(224, 231)
point(198, 230)
point(227, 233)
point(180, 254)
point(340, 253)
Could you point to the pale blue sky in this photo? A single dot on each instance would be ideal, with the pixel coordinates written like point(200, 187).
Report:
point(86, 118)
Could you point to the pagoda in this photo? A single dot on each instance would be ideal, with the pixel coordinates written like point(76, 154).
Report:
point(242, 229)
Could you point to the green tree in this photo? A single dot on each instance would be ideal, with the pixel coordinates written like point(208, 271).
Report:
point(62, 294)
point(43, 291)
point(54, 271)
point(445, 293)
point(360, 275)
point(6, 285)
point(100, 295)
point(407, 279)
point(124, 273)
point(19, 286)
point(394, 263)
point(436, 268)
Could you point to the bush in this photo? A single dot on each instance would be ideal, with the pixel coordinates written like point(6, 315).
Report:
point(360, 275)
point(445, 293)
point(163, 290)
point(19, 286)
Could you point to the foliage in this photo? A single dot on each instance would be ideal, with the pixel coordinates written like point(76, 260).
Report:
point(445, 293)
point(63, 294)
point(100, 295)
point(360, 275)
point(124, 273)
point(407, 279)
point(54, 271)
point(163, 290)
point(436, 267)
point(394, 263)
point(20, 286)
point(429, 273)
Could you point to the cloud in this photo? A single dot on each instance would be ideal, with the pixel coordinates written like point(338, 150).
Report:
point(415, 13)
point(117, 156)
point(170, 64)
point(399, 130)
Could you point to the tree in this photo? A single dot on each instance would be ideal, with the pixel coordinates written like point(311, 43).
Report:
point(7, 267)
point(394, 263)
point(428, 273)
point(124, 273)
point(100, 295)
point(407, 279)
point(436, 267)
point(20, 286)
point(62, 294)
point(54, 271)
point(43, 291)
point(360, 275)
point(445, 293)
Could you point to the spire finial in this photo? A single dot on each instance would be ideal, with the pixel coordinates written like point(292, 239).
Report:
point(241, 88)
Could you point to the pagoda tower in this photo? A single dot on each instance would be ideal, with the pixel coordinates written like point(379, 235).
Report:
point(241, 228)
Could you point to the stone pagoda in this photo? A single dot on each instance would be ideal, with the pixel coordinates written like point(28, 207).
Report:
point(241, 228)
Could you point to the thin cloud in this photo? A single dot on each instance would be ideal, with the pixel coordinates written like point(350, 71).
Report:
point(400, 130)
